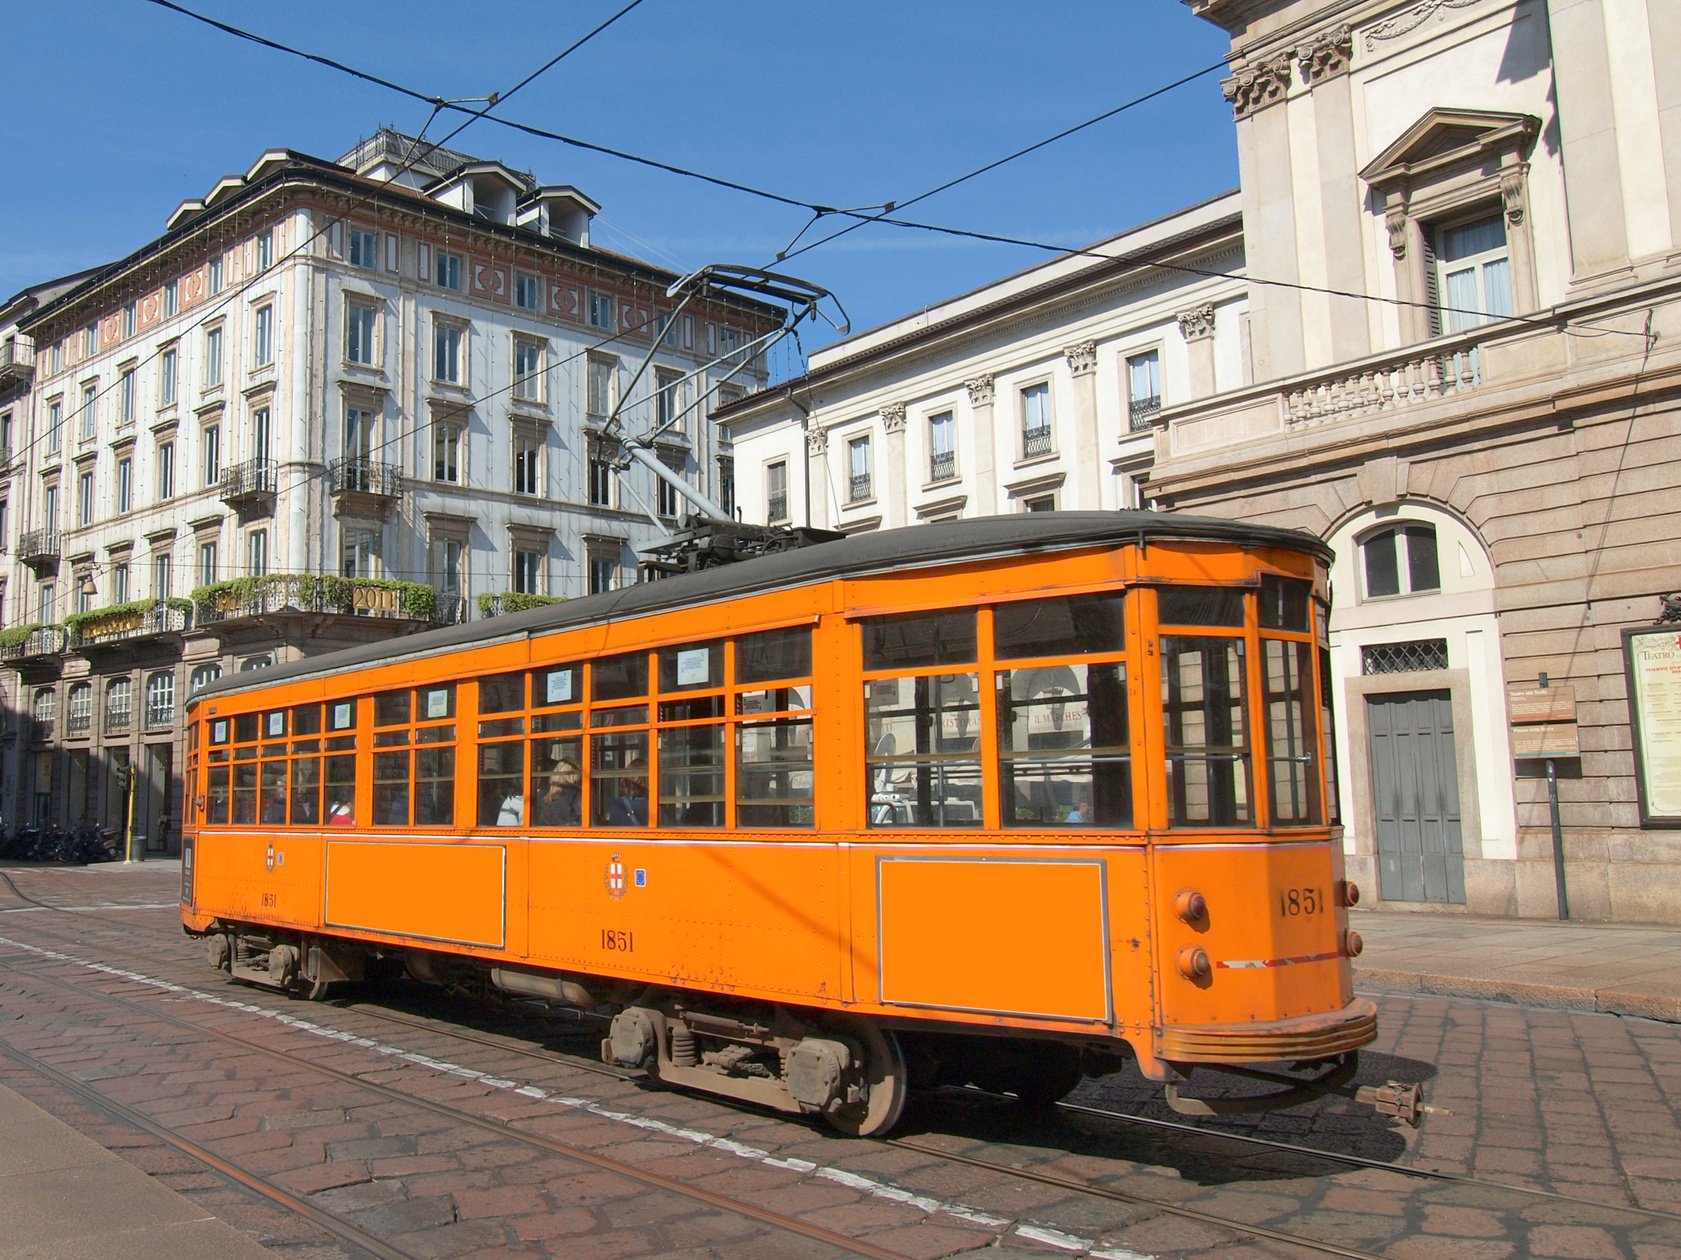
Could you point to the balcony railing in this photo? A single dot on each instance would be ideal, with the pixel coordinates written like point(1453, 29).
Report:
point(1035, 442)
point(140, 620)
point(1142, 412)
point(861, 487)
point(250, 480)
point(34, 643)
point(1422, 374)
point(160, 714)
point(360, 475)
point(78, 724)
point(243, 598)
point(942, 466)
point(117, 720)
point(777, 505)
point(39, 546)
point(17, 363)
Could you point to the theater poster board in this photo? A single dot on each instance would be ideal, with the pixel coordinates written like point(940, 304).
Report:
point(1652, 659)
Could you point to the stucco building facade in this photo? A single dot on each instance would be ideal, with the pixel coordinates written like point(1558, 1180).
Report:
point(1441, 335)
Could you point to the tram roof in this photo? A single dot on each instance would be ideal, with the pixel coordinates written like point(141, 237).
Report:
point(962, 541)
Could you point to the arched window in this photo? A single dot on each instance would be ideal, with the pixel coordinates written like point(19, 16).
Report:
point(255, 662)
point(160, 698)
point(46, 706)
point(204, 675)
point(119, 704)
point(1400, 559)
point(79, 711)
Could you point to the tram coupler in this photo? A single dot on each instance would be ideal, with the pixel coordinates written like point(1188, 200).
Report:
point(1398, 1099)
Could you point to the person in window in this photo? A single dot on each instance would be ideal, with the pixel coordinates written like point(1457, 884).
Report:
point(339, 814)
point(559, 804)
point(630, 807)
point(1080, 813)
point(511, 812)
point(274, 806)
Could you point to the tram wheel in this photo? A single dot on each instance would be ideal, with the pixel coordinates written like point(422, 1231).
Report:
point(1052, 1073)
point(886, 1080)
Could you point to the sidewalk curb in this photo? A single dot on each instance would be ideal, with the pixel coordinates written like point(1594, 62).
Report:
point(1546, 996)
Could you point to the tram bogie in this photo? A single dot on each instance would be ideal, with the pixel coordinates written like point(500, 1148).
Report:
point(1005, 802)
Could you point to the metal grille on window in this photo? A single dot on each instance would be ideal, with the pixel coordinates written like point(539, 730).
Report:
point(1411, 657)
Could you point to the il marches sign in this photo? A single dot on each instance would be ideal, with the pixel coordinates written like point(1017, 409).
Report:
point(1652, 663)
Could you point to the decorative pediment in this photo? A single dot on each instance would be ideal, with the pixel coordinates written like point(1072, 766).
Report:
point(1451, 138)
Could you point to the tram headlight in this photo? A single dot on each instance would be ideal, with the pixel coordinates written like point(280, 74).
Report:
point(1190, 905)
point(1350, 893)
point(1193, 963)
point(1353, 945)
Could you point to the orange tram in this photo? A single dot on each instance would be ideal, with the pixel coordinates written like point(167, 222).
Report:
point(1004, 801)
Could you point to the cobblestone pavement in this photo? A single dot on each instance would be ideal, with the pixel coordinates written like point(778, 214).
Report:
point(1576, 1103)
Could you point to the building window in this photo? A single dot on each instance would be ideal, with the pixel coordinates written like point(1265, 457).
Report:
point(1400, 560)
point(1036, 420)
point(260, 433)
point(942, 446)
point(84, 597)
point(45, 599)
point(528, 451)
point(212, 357)
point(119, 583)
point(46, 707)
point(166, 471)
point(84, 497)
point(601, 377)
point(1039, 503)
point(361, 552)
point(55, 426)
point(360, 325)
point(256, 553)
point(528, 293)
point(265, 250)
point(49, 509)
point(446, 451)
point(860, 484)
point(163, 574)
point(204, 675)
point(447, 567)
point(358, 440)
point(446, 352)
point(528, 571)
point(166, 378)
point(125, 399)
point(776, 492)
point(1473, 273)
point(90, 340)
point(79, 710)
point(601, 310)
point(726, 484)
point(90, 411)
point(600, 475)
point(668, 401)
point(131, 319)
point(603, 569)
point(119, 704)
point(172, 298)
point(210, 446)
point(449, 271)
point(1144, 389)
point(364, 249)
point(160, 699)
point(262, 337)
point(213, 275)
point(667, 493)
point(528, 370)
point(207, 562)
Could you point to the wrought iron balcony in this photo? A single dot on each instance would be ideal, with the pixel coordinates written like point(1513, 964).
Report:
point(78, 724)
point(244, 598)
point(117, 721)
point(777, 507)
point(253, 479)
point(1142, 412)
point(360, 475)
point(1035, 442)
point(17, 364)
point(862, 487)
point(942, 466)
point(39, 547)
point(126, 623)
point(39, 643)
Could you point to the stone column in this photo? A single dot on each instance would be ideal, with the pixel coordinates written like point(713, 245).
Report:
point(1196, 326)
point(986, 445)
point(1086, 456)
point(894, 476)
point(818, 492)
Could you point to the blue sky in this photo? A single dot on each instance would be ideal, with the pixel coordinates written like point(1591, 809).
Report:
point(120, 109)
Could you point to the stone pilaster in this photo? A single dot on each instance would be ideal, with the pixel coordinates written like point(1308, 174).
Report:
point(985, 437)
point(1087, 470)
point(894, 488)
point(1196, 326)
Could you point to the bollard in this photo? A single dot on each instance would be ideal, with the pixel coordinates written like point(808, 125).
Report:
point(136, 846)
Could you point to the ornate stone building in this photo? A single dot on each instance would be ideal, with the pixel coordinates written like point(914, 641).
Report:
point(1448, 346)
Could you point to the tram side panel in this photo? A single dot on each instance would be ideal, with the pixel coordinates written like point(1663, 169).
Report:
point(255, 877)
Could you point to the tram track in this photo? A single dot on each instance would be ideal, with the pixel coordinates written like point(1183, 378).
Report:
point(1009, 1165)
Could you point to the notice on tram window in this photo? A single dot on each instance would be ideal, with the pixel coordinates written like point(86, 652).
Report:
point(437, 702)
point(341, 716)
point(560, 686)
point(694, 667)
point(1652, 658)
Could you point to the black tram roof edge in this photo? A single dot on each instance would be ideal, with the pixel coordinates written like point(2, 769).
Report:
point(859, 555)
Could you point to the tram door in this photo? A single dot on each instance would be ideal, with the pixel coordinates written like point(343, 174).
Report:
point(1415, 791)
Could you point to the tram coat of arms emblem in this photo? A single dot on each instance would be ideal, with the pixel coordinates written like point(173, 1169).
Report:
point(615, 877)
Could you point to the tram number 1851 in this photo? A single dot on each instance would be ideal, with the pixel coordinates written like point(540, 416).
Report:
point(1295, 902)
point(615, 941)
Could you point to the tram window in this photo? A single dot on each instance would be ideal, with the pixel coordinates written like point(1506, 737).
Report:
point(504, 693)
point(434, 787)
point(391, 789)
point(306, 791)
point(556, 686)
point(619, 677)
point(619, 779)
point(557, 721)
point(219, 732)
point(1327, 715)
point(1064, 746)
point(391, 708)
point(244, 728)
point(556, 782)
point(1199, 606)
point(216, 804)
point(501, 785)
point(245, 793)
point(1284, 603)
point(343, 715)
point(1292, 742)
point(272, 794)
point(772, 700)
point(628, 715)
point(435, 704)
point(920, 639)
point(502, 727)
point(691, 665)
point(773, 773)
point(695, 710)
point(340, 787)
point(1077, 625)
point(692, 776)
point(306, 719)
point(923, 762)
point(773, 655)
point(1207, 738)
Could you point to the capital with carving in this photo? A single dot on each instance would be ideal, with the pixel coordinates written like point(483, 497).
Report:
point(1259, 85)
point(1327, 55)
point(817, 441)
point(893, 417)
point(1197, 323)
point(1512, 192)
point(980, 391)
point(1082, 357)
point(1395, 219)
